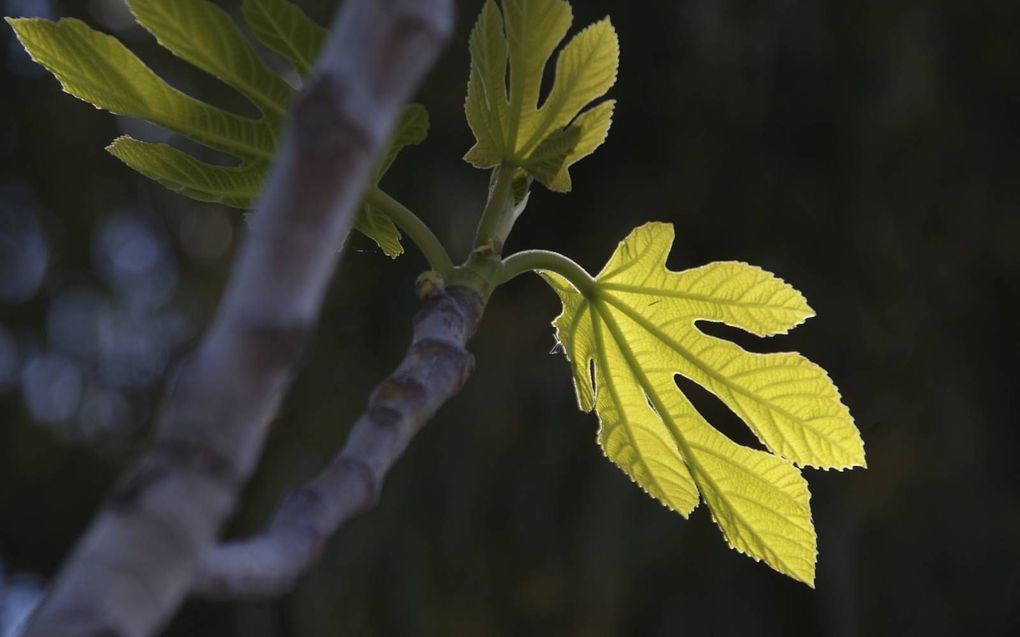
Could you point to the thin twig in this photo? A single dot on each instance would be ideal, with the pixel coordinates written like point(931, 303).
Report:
point(434, 369)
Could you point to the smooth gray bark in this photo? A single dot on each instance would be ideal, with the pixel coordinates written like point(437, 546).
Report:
point(136, 562)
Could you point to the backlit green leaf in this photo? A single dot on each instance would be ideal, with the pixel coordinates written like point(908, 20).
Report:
point(534, 28)
point(99, 69)
point(635, 331)
point(508, 123)
point(549, 163)
point(284, 29)
point(486, 104)
point(180, 172)
point(585, 71)
point(373, 223)
point(201, 33)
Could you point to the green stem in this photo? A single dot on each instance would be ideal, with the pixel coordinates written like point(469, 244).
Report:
point(501, 203)
point(534, 260)
point(414, 228)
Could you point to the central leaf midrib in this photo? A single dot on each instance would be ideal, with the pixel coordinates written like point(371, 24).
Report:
point(647, 386)
point(680, 294)
point(516, 97)
point(519, 77)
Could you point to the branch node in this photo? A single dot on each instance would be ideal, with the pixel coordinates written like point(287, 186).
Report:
point(443, 354)
point(384, 416)
point(399, 390)
point(429, 285)
point(306, 498)
point(372, 483)
point(169, 456)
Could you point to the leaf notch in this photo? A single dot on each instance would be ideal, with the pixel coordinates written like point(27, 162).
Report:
point(99, 69)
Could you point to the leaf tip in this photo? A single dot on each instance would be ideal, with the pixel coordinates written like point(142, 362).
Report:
point(20, 22)
point(18, 25)
point(117, 143)
point(809, 580)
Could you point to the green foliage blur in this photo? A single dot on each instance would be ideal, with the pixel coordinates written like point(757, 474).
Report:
point(865, 152)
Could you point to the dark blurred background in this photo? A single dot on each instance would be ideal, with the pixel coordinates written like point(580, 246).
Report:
point(865, 152)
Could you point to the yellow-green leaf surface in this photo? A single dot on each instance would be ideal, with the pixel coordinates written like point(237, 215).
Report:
point(182, 173)
point(635, 331)
point(508, 123)
point(202, 34)
point(284, 29)
point(549, 163)
point(100, 70)
point(239, 187)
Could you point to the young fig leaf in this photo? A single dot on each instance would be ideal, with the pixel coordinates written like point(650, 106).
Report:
point(635, 330)
point(100, 70)
point(508, 123)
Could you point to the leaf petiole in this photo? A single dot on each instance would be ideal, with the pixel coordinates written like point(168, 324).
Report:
point(536, 260)
point(500, 204)
point(414, 228)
